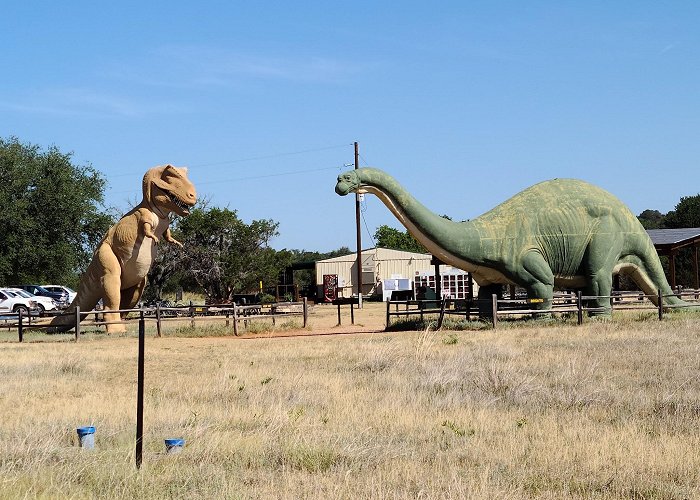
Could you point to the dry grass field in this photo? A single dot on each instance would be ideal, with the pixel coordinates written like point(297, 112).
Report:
point(606, 410)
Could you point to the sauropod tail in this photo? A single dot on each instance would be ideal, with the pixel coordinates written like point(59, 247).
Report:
point(647, 272)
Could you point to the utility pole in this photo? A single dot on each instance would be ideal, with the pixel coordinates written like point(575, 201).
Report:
point(359, 235)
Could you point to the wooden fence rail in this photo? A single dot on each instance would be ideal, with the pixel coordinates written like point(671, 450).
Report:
point(562, 303)
point(230, 313)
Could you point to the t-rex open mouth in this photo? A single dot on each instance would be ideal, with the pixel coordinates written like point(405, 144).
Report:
point(185, 207)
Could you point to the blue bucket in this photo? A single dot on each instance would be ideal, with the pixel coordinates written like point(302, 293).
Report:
point(86, 436)
point(174, 445)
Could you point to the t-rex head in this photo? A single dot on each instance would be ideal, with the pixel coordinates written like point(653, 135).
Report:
point(348, 182)
point(168, 189)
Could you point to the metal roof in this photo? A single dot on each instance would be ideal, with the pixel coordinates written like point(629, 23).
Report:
point(378, 253)
point(680, 236)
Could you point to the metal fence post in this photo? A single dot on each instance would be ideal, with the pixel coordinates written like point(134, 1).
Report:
point(388, 304)
point(661, 305)
point(139, 395)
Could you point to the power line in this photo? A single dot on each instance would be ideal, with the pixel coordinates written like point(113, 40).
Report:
point(254, 158)
point(252, 177)
point(276, 155)
point(362, 212)
point(279, 174)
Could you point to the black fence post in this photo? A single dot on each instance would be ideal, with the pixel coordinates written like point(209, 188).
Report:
point(306, 311)
point(442, 313)
point(139, 395)
point(77, 322)
point(579, 307)
point(20, 326)
point(235, 320)
point(159, 333)
point(661, 305)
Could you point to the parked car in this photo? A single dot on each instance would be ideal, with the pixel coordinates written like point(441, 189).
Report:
point(61, 289)
point(13, 303)
point(43, 303)
point(61, 298)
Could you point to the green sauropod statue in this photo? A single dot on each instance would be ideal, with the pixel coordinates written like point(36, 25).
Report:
point(562, 233)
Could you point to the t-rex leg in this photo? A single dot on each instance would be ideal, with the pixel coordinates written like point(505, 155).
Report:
point(538, 279)
point(111, 283)
point(130, 296)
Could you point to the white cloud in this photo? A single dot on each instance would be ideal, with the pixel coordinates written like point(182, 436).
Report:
point(199, 66)
point(77, 101)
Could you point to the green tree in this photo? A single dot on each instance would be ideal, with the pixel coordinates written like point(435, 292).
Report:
point(224, 255)
point(305, 279)
point(388, 237)
point(651, 219)
point(686, 213)
point(52, 214)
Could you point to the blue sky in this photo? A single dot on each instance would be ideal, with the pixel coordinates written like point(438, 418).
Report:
point(465, 103)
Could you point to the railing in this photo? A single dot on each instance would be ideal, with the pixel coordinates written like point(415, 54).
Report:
point(232, 314)
point(496, 308)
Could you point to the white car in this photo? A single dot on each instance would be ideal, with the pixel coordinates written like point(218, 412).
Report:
point(43, 303)
point(14, 303)
point(62, 289)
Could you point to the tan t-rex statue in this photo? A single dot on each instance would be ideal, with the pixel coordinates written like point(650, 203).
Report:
point(117, 273)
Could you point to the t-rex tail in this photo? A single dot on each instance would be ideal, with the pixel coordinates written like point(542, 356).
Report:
point(86, 299)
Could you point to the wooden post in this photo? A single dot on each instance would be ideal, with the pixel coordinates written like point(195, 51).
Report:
point(696, 272)
point(661, 305)
point(20, 327)
point(579, 306)
point(139, 392)
point(306, 311)
point(438, 280)
point(359, 235)
point(159, 333)
point(352, 313)
point(442, 313)
point(338, 314)
point(494, 310)
point(235, 321)
point(77, 322)
point(191, 315)
point(388, 305)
